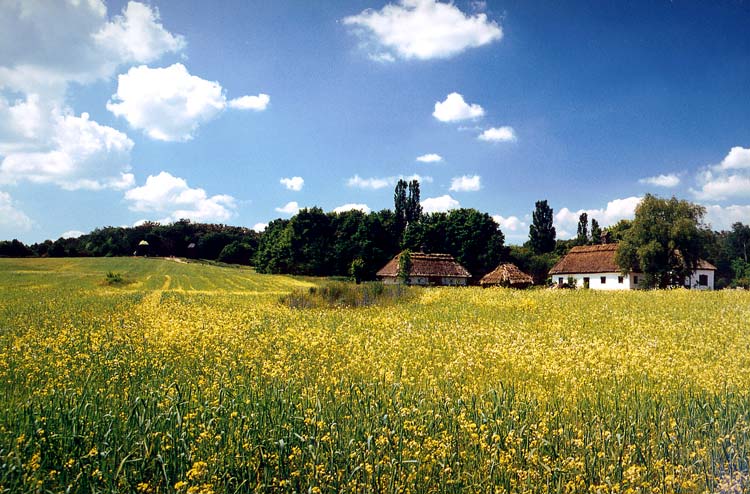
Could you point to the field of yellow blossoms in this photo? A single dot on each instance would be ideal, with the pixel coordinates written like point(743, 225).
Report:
point(191, 378)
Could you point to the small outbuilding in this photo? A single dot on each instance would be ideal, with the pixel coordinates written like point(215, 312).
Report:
point(507, 275)
point(427, 269)
point(143, 248)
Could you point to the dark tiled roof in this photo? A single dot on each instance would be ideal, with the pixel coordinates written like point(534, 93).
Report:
point(507, 274)
point(427, 265)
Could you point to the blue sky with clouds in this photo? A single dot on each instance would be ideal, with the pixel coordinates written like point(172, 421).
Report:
point(241, 112)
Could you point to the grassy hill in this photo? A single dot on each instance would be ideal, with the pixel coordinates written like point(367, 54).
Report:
point(140, 273)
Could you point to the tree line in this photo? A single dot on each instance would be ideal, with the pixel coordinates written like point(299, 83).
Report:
point(665, 241)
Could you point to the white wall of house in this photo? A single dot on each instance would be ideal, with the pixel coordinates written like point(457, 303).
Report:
point(454, 281)
point(701, 279)
point(611, 281)
point(424, 281)
point(599, 281)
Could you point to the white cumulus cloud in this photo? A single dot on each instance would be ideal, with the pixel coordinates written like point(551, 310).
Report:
point(256, 103)
point(260, 227)
point(466, 183)
point(722, 218)
point(421, 29)
point(668, 181)
point(439, 204)
point(11, 217)
point(726, 180)
point(78, 153)
point(375, 183)
point(73, 41)
point(168, 104)
point(293, 183)
point(352, 207)
point(498, 134)
point(290, 208)
point(137, 35)
point(165, 194)
point(45, 46)
point(430, 158)
point(510, 223)
point(454, 109)
point(566, 221)
point(72, 234)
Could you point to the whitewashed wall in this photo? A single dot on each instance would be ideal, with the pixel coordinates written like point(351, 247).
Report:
point(693, 281)
point(611, 281)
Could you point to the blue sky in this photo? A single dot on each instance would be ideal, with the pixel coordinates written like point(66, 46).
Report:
point(240, 112)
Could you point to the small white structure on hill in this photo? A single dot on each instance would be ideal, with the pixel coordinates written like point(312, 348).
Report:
point(594, 266)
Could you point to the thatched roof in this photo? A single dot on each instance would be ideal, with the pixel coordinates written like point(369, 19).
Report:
point(597, 259)
point(588, 259)
point(507, 274)
point(422, 264)
point(703, 264)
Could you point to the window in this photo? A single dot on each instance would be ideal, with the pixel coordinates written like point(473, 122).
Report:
point(585, 282)
point(620, 279)
point(635, 280)
point(703, 279)
point(560, 281)
point(603, 280)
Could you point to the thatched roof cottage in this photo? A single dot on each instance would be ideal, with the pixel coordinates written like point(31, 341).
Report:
point(427, 269)
point(594, 266)
point(508, 275)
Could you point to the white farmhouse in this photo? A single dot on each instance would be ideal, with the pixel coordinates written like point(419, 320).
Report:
point(594, 266)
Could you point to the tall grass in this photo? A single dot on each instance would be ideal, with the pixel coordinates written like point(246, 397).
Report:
point(347, 294)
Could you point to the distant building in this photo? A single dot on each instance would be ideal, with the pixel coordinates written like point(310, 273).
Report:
point(508, 275)
point(427, 269)
point(594, 266)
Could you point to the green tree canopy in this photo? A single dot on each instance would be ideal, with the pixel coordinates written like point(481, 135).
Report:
point(664, 241)
point(542, 232)
point(583, 229)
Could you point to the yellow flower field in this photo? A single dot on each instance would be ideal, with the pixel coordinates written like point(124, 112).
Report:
point(195, 379)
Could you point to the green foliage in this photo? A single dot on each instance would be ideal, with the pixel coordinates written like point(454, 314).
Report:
point(334, 294)
point(583, 229)
point(536, 265)
point(542, 232)
point(236, 253)
point(664, 241)
point(404, 266)
point(471, 237)
point(14, 248)
point(113, 278)
point(400, 206)
point(596, 232)
point(741, 273)
point(357, 270)
point(738, 241)
point(413, 211)
point(617, 231)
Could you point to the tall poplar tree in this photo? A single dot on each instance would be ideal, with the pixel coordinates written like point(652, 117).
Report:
point(583, 229)
point(542, 232)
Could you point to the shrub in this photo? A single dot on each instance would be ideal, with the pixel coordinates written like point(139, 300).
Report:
point(113, 278)
point(346, 294)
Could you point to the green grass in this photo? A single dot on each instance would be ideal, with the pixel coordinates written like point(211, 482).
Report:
point(142, 273)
